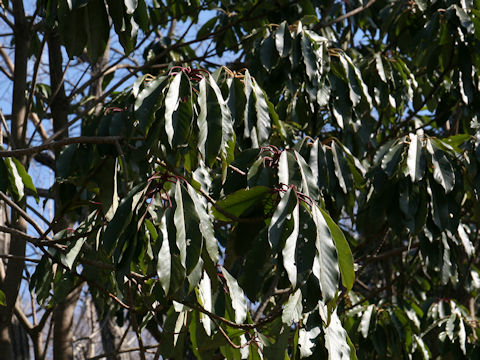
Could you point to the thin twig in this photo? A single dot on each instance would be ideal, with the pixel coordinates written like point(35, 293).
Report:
point(22, 213)
point(22, 258)
point(57, 144)
point(32, 86)
point(347, 15)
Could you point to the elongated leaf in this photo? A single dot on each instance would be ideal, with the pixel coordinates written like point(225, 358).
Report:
point(147, 102)
point(239, 302)
point(172, 101)
point(467, 244)
point(380, 68)
point(336, 339)
point(277, 231)
point(267, 53)
point(365, 322)
point(206, 225)
point(73, 250)
point(26, 179)
point(205, 299)
point(288, 252)
point(240, 201)
point(392, 158)
point(263, 125)
point(122, 216)
point(345, 257)
point(189, 239)
point(325, 265)
point(446, 262)
point(17, 187)
point(292, 313)
point(309, 187)
point(342, 170)
point(283, 40)
point(442, 169)
point(306, 340)
point(3, 300)
point(98, 28)
point(416, 159)
point(164, 262)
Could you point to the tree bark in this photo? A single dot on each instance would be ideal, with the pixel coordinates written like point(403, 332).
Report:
point(14, 270)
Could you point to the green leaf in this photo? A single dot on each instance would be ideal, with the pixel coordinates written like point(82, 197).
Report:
point(392, 158)
point(3, 300)
point(366, 319)
point(17, 186)
point(288, 252)
point(240, 201)
point(26, 179)
point(147, 102)
point(98, 28)
point(263, 125)
point(342, 170)
point(239, 302)
point(268, 54)
point(164, 258)
point(172, 100)
point(307, 340)
point(283, 40)
point(416, 159)
point(72, 252)
point(442, 169)
point(206, 225)
point(122, 216)
point(345, 257)
point(380, 68)
point(204, 296)
point(325, 265)
point(292, 313)
point(278, 230)
point(336, 339)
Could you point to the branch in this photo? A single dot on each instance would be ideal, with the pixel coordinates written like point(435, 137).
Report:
point(346, 15)
point(57, 144)
point(23, 214)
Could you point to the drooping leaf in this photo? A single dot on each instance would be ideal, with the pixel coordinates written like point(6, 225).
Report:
point(277, 231)
point(345, 257)
point(336, 339)
point(442, 169)
point(292, 313)
point(325, 265)
point(237, 296)
point(147, 102)
point(283, 39)
point(204, 296)
point(416, 158)
point(164, 258)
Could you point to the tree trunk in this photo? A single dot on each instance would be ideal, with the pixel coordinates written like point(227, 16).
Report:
point(14, 270)
point(64, 312)
point(110, 331)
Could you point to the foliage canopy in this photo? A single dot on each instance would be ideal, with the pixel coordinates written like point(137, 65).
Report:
point(317, 196)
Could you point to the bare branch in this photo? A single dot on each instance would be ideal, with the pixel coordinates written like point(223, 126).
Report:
point(346, 15)
point(61, 143)
point(22, 212)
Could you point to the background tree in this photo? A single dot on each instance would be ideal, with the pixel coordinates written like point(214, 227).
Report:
point(240, 179)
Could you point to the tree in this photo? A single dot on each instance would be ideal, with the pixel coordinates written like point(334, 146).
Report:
point(292, 179)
